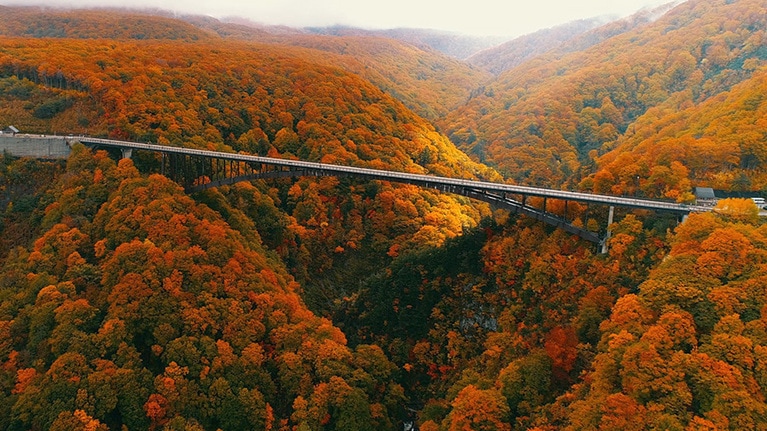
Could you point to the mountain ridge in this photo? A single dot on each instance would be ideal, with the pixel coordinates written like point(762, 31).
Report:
point(595, 95)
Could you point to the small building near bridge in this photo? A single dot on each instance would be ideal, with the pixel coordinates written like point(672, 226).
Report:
point(10, 130)
point(705, 196)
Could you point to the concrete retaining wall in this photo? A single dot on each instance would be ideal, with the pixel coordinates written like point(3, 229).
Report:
point(37, 146)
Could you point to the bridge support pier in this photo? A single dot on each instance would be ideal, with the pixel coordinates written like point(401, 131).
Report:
point(126, 153)
point(610, 216)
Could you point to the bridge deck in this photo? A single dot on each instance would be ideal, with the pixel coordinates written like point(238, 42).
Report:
point(190, 166)
point(402, 177)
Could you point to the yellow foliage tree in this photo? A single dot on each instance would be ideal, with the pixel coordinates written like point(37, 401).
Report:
point(738, 210)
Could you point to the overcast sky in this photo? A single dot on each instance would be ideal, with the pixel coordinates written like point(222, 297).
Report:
point(478, 17)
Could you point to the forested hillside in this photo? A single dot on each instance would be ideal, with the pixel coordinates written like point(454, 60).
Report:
point(343, 304)
point(456, 45)
point(41, 22)
point(547, 121)
point(424, 80)
point(510, 54)
point(138, 307)
point(687, 350)
point(263, 99)
point(560, 40)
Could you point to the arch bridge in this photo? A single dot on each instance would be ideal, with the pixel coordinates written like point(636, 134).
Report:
point(197, 170)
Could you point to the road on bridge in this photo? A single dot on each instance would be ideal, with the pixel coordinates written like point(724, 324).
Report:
point(402, 177)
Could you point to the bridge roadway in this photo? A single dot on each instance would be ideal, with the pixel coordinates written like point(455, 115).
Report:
point(401, 177)
point(201, 169)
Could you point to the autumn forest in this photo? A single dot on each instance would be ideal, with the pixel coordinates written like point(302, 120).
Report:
point(295, 304)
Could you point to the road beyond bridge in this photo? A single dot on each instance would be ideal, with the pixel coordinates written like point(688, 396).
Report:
point(197, 170)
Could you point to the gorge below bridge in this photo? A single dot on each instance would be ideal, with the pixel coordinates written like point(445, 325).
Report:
point(197, 170)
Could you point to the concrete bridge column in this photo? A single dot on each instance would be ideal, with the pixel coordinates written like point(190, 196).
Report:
point(610, 216)
point(127, 153)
